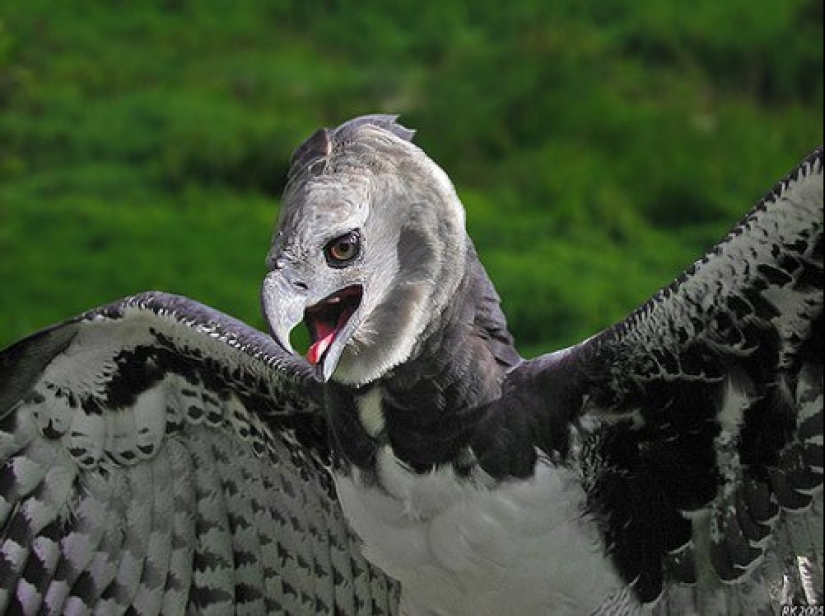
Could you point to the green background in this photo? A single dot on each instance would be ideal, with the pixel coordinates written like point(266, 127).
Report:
point(599, 147)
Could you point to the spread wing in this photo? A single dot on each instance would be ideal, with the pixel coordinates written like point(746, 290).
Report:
point(698, 419)
point(161, 456)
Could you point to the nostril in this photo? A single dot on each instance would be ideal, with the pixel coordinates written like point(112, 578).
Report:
point(286, 273)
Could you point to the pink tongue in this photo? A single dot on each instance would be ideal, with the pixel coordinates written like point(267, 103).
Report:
point(326, 335)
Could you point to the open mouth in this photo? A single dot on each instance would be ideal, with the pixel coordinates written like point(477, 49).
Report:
point(328, 317)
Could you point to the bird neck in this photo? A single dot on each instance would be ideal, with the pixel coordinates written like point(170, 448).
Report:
point(427, 409)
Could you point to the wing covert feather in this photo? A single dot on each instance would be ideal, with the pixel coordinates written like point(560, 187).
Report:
point(160, 456)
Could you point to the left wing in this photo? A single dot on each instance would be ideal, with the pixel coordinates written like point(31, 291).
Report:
point(159, 457)
point(697, 421)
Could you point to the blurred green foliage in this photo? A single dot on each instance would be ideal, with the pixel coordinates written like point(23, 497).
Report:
point(599, 147)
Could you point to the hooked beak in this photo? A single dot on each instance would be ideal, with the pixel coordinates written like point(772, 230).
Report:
point(283, 308)
point(330, 320)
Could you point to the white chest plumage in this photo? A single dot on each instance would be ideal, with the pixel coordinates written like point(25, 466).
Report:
point(472, 546)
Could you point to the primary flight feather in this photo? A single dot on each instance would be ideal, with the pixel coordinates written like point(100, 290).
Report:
point(160, 456)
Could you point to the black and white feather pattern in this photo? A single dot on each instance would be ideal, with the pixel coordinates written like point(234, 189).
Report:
point(162, 457)
point(699, 418)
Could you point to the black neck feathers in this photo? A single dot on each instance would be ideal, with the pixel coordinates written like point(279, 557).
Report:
point(432, 404)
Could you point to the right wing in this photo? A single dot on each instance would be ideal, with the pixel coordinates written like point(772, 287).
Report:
point(161, 457)
point(699, 418)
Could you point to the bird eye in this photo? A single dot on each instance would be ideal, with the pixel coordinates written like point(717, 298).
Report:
point(343, 249)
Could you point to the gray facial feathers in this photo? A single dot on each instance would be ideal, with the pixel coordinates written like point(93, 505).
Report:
point(367, 177)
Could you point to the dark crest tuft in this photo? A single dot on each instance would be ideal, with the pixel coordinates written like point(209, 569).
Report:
point(319, 146)
point(314, 149)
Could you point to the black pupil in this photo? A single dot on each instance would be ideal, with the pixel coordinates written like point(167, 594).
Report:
point(344, 248)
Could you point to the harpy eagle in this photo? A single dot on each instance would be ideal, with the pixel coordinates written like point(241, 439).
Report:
point(157, 456)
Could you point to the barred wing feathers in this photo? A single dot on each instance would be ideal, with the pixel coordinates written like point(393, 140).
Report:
point(700, 417)
point(158, 455)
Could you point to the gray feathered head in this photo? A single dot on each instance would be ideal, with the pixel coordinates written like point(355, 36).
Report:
point(370, 241)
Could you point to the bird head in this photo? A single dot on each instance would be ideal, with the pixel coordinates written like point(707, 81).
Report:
point(369, 249)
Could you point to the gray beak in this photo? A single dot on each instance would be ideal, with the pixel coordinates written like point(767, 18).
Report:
point(286, 304)
point(283, 306)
